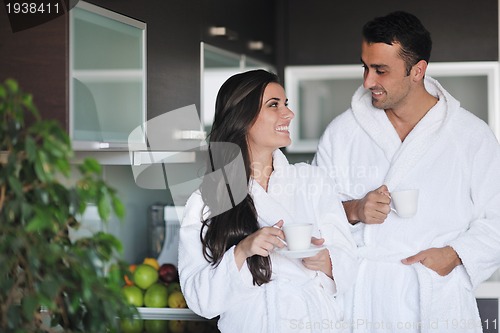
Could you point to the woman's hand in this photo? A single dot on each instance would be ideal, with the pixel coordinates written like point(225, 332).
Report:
point(261, 243)
point(321, 261)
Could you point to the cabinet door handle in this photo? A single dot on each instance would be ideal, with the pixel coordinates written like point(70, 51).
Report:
point(223, 32)
point(103, 145)
point(191, 135)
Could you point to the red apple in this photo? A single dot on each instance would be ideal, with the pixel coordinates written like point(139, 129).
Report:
point(168, 273)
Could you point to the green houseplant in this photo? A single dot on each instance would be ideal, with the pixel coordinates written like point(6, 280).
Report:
point(48, 282)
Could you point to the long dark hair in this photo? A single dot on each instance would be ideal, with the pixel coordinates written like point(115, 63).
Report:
point(236, 109)
point(403, 28)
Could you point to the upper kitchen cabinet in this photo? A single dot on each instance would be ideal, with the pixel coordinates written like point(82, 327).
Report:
point(37, 58)
point(244, 27)
point(319, 32)
point(172, 51)
point(107, 78)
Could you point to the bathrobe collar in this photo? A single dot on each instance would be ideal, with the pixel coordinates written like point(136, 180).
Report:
point(270, 209)
point(403, 156)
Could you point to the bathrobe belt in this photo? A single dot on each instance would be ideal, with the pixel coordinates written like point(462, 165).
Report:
point(383, 255)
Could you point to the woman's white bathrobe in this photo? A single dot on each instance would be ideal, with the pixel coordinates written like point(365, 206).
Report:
point(297, 299)
point(453, 158)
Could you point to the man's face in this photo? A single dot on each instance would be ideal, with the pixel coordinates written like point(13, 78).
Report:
point(385, 75)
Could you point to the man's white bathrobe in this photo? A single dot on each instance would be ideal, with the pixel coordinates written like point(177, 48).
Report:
point(453, 158)
point(297, 299)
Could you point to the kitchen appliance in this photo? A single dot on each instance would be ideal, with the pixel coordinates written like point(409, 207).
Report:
point(163, 232)
point(163, 241)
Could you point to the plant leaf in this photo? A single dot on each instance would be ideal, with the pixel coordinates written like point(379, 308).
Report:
point(16, 186)
point(29, 305)
point(91, 165)
point(118, 207)
point(30, 146)
point(12, 85)
point(104, 208)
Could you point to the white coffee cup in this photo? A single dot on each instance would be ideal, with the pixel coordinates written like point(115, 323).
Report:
point(298, 236)
point(405, 202)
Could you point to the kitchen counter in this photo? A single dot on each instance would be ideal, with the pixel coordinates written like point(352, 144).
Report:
point(168, 314)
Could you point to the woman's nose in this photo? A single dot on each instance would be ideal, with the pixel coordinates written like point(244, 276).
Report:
point(288, 114)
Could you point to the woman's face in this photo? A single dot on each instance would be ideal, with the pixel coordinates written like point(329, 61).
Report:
point(270, 130)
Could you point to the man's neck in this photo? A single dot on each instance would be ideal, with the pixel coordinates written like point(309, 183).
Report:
point(404, 119)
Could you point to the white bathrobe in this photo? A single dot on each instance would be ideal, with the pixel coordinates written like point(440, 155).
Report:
point(453, 158)
point(297, 299)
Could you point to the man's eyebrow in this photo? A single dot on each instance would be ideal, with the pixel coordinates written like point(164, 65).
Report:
point(376, 66)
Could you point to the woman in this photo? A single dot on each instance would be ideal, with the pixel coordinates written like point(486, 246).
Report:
point(232, 260)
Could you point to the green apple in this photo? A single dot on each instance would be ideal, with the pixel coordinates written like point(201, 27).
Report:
point(144, 276)
point(156, 296)
point(133, 295)
point(156, 326)
point(131, 326)
point(173, 286)
point(176, 300)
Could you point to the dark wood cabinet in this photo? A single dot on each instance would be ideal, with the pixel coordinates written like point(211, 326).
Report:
point(250, 20)
point(319, 32)
point(38, 59)
point(173, 50)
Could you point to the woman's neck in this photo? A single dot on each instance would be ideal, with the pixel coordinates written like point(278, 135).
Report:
point(261, 167)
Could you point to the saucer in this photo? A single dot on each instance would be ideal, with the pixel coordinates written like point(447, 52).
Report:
point(310, 252)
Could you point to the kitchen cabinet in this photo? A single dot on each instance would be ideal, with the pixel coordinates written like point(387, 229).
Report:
point(173, 50)
point(250, 27)
point(37, 58)
point(107, 78)
point(173, 53)
point(321, 32)
point(320, 93)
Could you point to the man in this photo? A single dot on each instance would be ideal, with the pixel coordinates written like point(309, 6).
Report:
point(405, 131)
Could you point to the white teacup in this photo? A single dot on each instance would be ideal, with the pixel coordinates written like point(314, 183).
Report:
point(298, 236)
point(405, 202)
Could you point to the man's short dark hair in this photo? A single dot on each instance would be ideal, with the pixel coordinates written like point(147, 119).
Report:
point(404, 29)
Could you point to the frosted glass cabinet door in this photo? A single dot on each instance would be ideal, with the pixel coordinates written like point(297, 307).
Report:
point(317, 94)
point(108, 77)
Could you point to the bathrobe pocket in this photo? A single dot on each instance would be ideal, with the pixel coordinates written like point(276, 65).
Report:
point(447, 302)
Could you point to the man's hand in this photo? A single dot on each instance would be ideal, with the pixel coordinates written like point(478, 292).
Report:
point(372, 209)
point(441, 260)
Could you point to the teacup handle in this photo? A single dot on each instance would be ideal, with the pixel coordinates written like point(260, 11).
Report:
point(281, 240)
